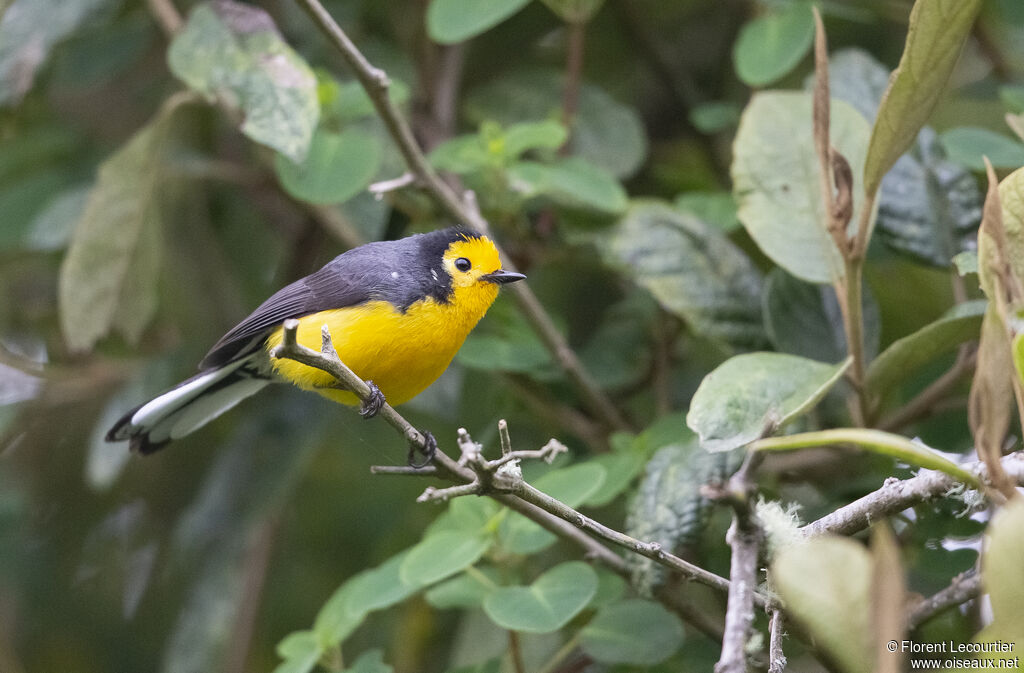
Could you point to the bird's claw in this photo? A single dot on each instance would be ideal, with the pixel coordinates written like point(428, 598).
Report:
point(372, 404)
point(428, 450)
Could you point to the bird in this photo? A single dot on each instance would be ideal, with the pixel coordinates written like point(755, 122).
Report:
point(397, 311)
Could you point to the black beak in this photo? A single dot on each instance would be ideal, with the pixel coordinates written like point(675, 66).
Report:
point(501, 277)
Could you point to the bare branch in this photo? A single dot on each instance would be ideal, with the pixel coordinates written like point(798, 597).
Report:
point(776, 631)
point(963, 588)
point(896, 495)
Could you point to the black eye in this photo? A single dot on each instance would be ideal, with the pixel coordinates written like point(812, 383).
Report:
point(463, 264)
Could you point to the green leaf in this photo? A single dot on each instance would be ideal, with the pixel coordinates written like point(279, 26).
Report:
point(1001, 575)
point(804, 319)
point(29, 29)
point(369, 662)
point(451, 21)
point(936, 34)
point(51, 229)
point(605, 132)
point(715, 208)
point(233, 51)
point(526, 136)
point(337, 167)
point(930, 207)
point(691, 269)
point(466, 590)
point(619, 352)
point(771, 45)
point(754, 393)
point(826, 584)
point(883, 443)
point(610, 589)
point(668, 507)
point(905, 356)
point(348, 101)
point(635, 631)
point(714, 117)
point(968, 144)
point(1012, 96)
point(461, 155)
point(966, 262)
point(571, 182)
point(571, 485)
point(775, 180)
point(546, 605)
point(442, 555)
point(373, 589)
point(300, 651)
point(108, 279)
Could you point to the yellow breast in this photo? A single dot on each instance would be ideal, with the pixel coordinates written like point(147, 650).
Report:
point(401, 352)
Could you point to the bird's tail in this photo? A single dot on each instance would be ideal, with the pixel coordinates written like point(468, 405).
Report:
point(189, 405)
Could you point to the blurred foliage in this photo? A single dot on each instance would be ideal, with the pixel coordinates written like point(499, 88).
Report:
point(666, 205)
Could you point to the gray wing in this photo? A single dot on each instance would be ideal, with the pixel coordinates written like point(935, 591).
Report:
point(326, 289)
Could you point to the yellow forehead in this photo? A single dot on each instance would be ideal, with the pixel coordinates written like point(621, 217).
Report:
point(480, 251)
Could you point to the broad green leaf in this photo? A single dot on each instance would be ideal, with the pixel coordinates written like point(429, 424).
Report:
point(337, 167)
point(826, 584)
point(905, 356)
point(29, 29)
point(1001, 576)
point(348, 101)
point(466, 590)
point(968, 145)
point(546, 605)
point(668, 507)
point(503, 341)
point(610, 589)
point(630, 454)
point(966, 262)
point(108, 279)
point(635, 631)
point(938, 29)
point(804, 319)
point(233, 51)
point(574, 11)
point(619, 352)
point(775, 180)
point(1012, 97)
point(461, 155)
point(451, 21)
point(300, 651)
point(605, 132)
point(754, 393)
point(369, 662)
point(715, 208)
point(570, 485)
point(442, 555)
point(526, 136)
point(773, 44)
point(930, 206)
point(373, 589)
point(715, 117)
point(571, 182)
point(693, 271)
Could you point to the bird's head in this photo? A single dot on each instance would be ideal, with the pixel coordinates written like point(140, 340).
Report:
point(472, 260)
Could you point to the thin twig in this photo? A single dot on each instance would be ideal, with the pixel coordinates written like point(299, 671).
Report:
point(550, 513)
point(963, 588)
point(376, 84)
point(515, 652)
point(776, 631)
point(896, 495)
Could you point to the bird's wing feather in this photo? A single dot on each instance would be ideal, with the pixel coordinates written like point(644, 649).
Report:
point(323, 290)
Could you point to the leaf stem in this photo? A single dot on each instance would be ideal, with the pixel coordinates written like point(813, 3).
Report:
point(559, 656)
point(877, 441)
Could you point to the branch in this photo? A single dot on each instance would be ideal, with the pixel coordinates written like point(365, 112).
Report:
point(376, 84)
point(744, 538)
point(497, 479)
point(963, 588)
point(896, 495)
point(776, 630)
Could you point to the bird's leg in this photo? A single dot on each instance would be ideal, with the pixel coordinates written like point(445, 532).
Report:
point(428, 450)
point(372, 404)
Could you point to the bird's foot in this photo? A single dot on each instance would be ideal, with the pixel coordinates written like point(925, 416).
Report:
point(373, 403)
point(428, 451)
